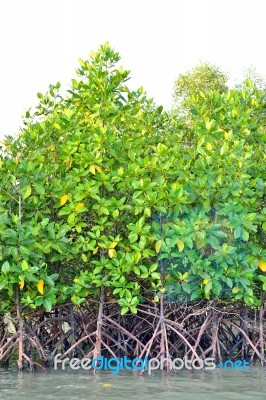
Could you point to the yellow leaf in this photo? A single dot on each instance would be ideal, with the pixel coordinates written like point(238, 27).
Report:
point(208, 125)
point(75, 280)
point(113, 244)
point(40, 286)
point(67, 113)
point(254, 102)
point(120, 171)
point(21, 284)
point(180, 245)
point(98, 168)
point(209, 146)
point(235, 290)
point(50, 148)
point(158, 246)
point(205, 281)
point(111, 253)
point(167, 276)
point(184, 276)
point(56, 125)
point(63, 199)
point(92, 169)
point(80, 205)
point(95, 250)
point(262, 265)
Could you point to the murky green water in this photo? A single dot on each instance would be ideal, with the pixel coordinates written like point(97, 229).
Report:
point(186, 385)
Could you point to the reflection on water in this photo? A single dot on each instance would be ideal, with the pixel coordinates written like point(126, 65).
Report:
point(186, 385)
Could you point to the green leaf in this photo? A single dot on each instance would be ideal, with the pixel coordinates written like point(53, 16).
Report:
point(47, 304)
point(136, 270)
point(237, 232)
point(216, 287)
point(115, 213)
point(39, 188)
point(84, 257)
point(189, 242)
point(142, 242)
point(45, 222)
point(26, 191)
point(105, 211)
point(133, 237)
point(245, 235)
point(117, 290)
point(195, 295)
point(153, 267)
point(39, 301)
point(24, 265)
point(156, 298)
point(71, 219)
point(155, 275)
point(124, 310)
point(229, 282)
point(97, 270)
point(5, 267)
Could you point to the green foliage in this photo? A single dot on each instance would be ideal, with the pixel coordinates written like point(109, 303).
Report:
point(78, 190)
point(102, 187)
point(202, 79)
point(221, 225)
point(253, 76)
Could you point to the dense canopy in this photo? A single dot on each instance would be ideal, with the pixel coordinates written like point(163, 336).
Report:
point(101, 185)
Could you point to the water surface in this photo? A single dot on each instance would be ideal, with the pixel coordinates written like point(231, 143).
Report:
point(185, 385)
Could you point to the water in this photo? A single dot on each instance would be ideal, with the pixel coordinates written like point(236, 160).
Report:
point(185, 385)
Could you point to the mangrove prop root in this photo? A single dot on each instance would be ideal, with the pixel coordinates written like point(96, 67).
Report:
point(170, 330)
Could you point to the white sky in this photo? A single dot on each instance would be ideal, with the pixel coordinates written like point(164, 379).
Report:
point(41, 41)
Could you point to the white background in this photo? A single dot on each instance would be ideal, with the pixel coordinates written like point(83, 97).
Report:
point(41, 41)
